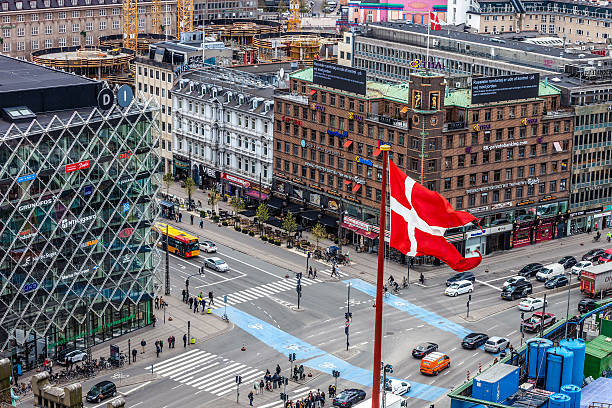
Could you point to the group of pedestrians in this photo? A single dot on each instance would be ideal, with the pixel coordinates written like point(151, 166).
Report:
point(195, 302)
point(159, 344)
point(312, 400)
point(160, 303)
point(312, 273)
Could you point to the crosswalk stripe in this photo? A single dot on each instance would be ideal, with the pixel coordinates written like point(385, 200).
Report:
point(175, 358)
point(238, 298)
point(264, 290)
point(200, 381)
point(184, 378)
point(253, 292)
point(171, 368)
point(245, 379)
point(271, 288)
point(187, 367)
point(208, 383)
point(215, 382)
point(220, 387)
point(248, 295)
point(185, 358)
point(284, 285)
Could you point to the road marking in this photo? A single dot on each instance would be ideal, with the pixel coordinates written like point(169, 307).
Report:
point(454, 349)
point(489, 285)
point(460, 363)
point(475, 354)
point(498, 279)
point(174, 388)
point(512, 332)
point(248, 264)
point(137, 388)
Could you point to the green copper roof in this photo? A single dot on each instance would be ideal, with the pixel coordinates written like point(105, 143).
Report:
point(463, 97)
point(395, 92)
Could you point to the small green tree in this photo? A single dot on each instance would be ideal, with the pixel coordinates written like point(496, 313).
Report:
point(190, 186)
point(162, 28)
point(319, 232)
point(262, 215)
point(282, 7)
point(168, 179)
point(238, 205)
point(290, 225)
point(84, 35)
point(213, 199)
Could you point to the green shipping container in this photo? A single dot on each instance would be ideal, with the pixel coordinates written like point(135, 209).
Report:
point(598, 356)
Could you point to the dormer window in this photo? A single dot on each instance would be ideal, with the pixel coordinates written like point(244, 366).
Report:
point(60, 3)
point(32, 4)
point(47, 3)
point(19, 5)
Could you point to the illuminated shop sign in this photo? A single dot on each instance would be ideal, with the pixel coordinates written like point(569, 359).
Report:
point(30, 287)
point(124, 155)
point(87, 244)
point(67, 224)
point(478, 127)
point(352, 115)
point(341, 134)
point(236, 180)
point(30, 260)
point(361, 160)
point(28, 177)
point(40, 203)
point(77, 166)
point(126, 232)
point(337, 173)
point(529, 182)
point(418, 64)
point(502, 145)
point(315, 106)
point(291, 120)
point(526, 121)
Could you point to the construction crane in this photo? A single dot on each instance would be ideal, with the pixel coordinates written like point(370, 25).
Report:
point(185, 16)
point(156, 16)
point(294, 23)
point(130, 24)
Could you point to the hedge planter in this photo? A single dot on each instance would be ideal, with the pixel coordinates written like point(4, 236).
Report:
point(264, 238)
point(251, 233)
point(224, 223)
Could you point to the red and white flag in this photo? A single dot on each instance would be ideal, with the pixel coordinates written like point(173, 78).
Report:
point(434, 22)
point(419, 218)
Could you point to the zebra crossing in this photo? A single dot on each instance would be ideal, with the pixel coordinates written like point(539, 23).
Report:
point(206, 371)
point(293, 396)
point(268, 289)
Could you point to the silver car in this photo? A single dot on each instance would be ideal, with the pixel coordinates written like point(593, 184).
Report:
point(217, 264)
point(496, 344)
point(208, 246)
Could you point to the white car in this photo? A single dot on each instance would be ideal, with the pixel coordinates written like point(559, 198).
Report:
point(530, 304)
point(580, 266)
point(459, 288)
point(208, 246)
point(397, 387)
point(74, 357)
point(514, 280)
point(217, 264)
point(496, 344)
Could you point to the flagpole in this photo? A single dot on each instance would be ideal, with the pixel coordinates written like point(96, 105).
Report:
point(380, 276)
point(428, 32)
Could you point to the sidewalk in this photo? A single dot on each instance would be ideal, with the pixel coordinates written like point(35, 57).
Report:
point(365, 265)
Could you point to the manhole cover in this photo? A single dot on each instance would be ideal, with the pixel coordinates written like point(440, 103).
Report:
point(389, 333)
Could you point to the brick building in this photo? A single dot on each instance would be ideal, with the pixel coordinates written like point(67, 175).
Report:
point(326, 154)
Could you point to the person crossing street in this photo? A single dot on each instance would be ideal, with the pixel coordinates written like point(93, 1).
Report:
point(143, 343)
point(184, 340)
point(211, 298)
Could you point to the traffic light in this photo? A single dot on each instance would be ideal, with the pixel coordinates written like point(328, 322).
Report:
point(469, 298)
point(348, 315)
point(299, 275)
point(308, 254)
point(285, 380)
point(238, 379)
point(187, 282)
point(335, 373)
point(283, 397)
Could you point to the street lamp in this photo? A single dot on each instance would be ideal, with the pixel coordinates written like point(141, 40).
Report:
point(348, 315)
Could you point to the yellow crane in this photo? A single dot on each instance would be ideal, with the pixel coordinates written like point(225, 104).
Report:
point(156, 16)
point(185, 16)
point(130, 24)
point(294, 23)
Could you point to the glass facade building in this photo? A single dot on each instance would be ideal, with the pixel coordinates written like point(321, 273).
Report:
point(77, 256)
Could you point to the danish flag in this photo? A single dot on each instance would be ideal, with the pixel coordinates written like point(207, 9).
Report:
point(419, 218)
point(434, 22)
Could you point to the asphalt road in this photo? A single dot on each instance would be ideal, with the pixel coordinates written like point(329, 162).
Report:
point(262, 304)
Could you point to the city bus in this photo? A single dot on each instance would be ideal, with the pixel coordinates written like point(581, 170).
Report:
point(179, 242)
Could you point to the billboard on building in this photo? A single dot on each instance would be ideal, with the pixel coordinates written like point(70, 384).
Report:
point(339, 77)
point(504, 88)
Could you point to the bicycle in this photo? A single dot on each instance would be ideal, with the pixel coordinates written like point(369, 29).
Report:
point(386, 293)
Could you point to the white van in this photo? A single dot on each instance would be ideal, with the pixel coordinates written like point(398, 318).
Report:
point(397, 387)
point(549, 271)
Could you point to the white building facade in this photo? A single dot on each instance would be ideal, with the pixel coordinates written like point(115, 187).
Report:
point(222, 132)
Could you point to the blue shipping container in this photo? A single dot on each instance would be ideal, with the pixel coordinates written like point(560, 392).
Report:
point(496, 384)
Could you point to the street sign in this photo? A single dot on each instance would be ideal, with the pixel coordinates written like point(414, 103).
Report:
point(347, 323)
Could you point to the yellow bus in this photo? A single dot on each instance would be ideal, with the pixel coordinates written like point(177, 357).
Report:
point(179, 242)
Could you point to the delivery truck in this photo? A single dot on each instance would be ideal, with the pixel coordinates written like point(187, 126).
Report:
point(596, 280)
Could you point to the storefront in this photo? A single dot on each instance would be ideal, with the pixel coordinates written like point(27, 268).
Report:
point(593, 219)
point(234, 186)
point(359, 233)
point(209, 177)
point(180, 167)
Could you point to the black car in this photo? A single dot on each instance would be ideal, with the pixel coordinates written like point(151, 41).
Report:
point(568, 261)
point(593, 255)
point(474, 340)
point(469, 276)
point(518, 290)
point(101, 391)
point(586, 305)
point(424, 349)
point(349, 397)
point(530, 270)
point(556, 282)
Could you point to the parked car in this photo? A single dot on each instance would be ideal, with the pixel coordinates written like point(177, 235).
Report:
point(530, 304)
point(349, 397)
point(460, 277)
point(537, 321)
point(459, 288)
point(568, 261)
point(217, 264)
point(580, 266)
point(73, 356)
point(519, 290)
point(496, 344)
point(606, 256)
point(474, 340)
point(549, 271)
point(424, 349)
point(397, 387)
point(514, 280)
point(530, 270)
point(101, 390)
point(556, 282)
point(208, 246)
point(433, 363)
point(593, 255)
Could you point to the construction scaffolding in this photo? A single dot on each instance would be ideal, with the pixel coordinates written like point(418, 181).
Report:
point(238, 34)
point(294, 47)
point(156, 17)
point(130, 24)
point(294, 23)
point(144, 39)
point(185, 16)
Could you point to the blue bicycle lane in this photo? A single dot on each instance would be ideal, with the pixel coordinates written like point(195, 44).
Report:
point(317, 359)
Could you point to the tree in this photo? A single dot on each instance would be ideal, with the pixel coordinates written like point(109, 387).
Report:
point(238, 205)
point(262, 215)
point(282, 7)
point(162, 28)
point(213, 199)
point(84, 35)
point(289, 224)
point(319, 232)
point(168, 179)
point(190, 186)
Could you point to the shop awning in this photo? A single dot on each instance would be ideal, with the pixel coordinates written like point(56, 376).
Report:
point(359, 231)
point(255, 194)
point(329, 221)
point(377, 152)
point(348, 143)
point(313, 91)
point(356, 187)
point(558, 147)
point(275, 203)
point(404, 109)
point(165, 203)
point(293, 208)
point(347, 181)
point(310, 215)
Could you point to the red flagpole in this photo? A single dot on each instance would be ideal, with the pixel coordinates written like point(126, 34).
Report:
point(380, 276)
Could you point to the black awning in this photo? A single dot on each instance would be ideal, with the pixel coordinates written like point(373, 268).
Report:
point(275, 202)
point(248, 213)
point(310, 215)
point(293, 208)
point(275, 222)
point(329, 221)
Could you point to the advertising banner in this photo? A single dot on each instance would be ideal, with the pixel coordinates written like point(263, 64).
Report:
point(339, 77)
point(503, 88)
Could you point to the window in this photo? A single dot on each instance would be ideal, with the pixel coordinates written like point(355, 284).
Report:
point(102, 12)
point(460, 181)
point(102, 25)
point(532, 151)
point(459, 203)
point(61, 15)
point(471, 200)
point(519, 192)
point(485, 177)
point(473, 179)
point(521, 172)
point(89, 13)
point(542, 168)
point(508, 194)
point(62, 28)
point(500, 114)
point(510, 133)
point(495, 197)
point(530, 190)
point(48, 30)
point(473, 159)
point(61, 42)
point(449, 141)
point(34, 30)
point(542, 188)
point(562, 184)
point(532, 170)
point(462, 140)
point(521, 152)
point(552, 186)
point(20, 31)
point(485, 157)
point(115, 24)
point(76, 14)
point(448, 162)
point(498, 153)
point(89, 26)
point(48, 43)
point(508, 174)
point(461, 160)
point(76, 41)
point(34, 17)
point(76, 28)
point(34, 44)
point(497, 175)
point(6, 32)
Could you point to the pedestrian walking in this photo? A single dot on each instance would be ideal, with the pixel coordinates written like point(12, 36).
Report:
point(180, 215)
point(314, 276)
point(169, 342)
point(16, 375)
point(203, 305)
point(161, 346)
point(211, 298)
point(278, 369)
point(310, 272)
point(184, 295)
point(251, 398)
point(201, 223)
point(134, 353)
point(162, 302)
point(157, 350)
point(154, 320)
point(156, 302)
point(190, 302)
point(334, 273)
point(50, 367)
point(143, 343)
point(261, 386)
point(184, 340)
point(422, 278)
point(195, 305)
point(256, 387)
point(191, 216)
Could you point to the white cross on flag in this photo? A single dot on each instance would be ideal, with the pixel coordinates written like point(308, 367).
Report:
point(419, 218)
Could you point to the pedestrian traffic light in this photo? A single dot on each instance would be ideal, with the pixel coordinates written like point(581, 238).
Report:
point(283, 396)
point(346, 330)
point(469, 298)
point(238, 379)
point(348, 315)
point(335, 373)
point(308, 254)
point(299, 275)
point(291, 356)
